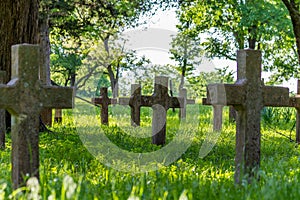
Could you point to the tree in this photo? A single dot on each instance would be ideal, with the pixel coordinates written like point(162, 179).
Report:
point(66, 61)
point(119, 14)
point(186, 51)
point(114, 59)
point(293, 7)
point(232, 25)
point(18, 24)
point(98, 20)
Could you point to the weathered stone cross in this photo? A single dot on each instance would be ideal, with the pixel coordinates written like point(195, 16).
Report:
point(295, 102)
point(135, 111)
point(248, 96)
point(160, 101)
point(24, 97)
point(104, 101)
point(183, 94)
point(217, 115)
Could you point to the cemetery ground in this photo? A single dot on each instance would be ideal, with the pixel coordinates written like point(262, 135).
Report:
point(69, 171)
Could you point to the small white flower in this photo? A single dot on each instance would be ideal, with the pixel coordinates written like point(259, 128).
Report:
point(34, 188)
point(69, 185)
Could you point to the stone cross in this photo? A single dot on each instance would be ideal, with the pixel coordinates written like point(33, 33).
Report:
point(135, 111)
point(217, 115)
point(160, 101)
point(248, 96)
point(104, 101)
point(295, 102)
point(2, 116)
point(183, 94)
point(24, 97)
point(46, 113)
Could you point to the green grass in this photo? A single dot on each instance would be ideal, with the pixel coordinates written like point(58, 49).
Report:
point(69, 171)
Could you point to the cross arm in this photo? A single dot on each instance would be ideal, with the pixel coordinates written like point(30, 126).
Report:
point(225, 94)
point(124, 101)
point(294, 101)
point(205, 101)
point(175, 102)
point(147, 101)
point(276, 96)
point(101, 100)
point(57, 97)
point(190, 101)
point(8, 96)
point(97, 100)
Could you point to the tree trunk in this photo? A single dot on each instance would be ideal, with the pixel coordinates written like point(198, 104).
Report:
point(293, 9)
point(73, 79)
point(18, 24)
point(183, 71)
point(113, 82)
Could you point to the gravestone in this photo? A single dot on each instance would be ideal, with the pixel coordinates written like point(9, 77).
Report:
point(160, 101)
point(295, 102)
point(217, 115)
point(135, 111)
point(183, 94)
point(46, 113)
point(104, 101)
point(2, 116)
point(248, 96)
point(24, 97)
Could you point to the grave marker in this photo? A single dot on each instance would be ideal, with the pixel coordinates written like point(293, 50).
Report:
point(135, 112)
point(46, 113)
point(248, 96)
point(2, 116)
point(183, 94)
point(160, 102)
point(104, 101)
point(295, 102)
point(217, 115)
point(24, 97)
point(160, 99)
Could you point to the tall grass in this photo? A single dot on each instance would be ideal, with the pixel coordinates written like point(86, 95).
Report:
point(69, 171)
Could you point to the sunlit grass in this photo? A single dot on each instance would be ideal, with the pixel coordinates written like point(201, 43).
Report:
point(69, 171)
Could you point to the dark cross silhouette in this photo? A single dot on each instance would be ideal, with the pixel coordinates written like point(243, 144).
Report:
point(160, 101)
point(183, 94)
point(104, 101)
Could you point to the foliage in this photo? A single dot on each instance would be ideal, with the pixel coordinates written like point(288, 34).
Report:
point(225, 75)
point(100, 22)
point(232, 25)
point(198, 83)
point(144, 74)
point(293, 8)
point(279, 117)
point(186, 51)
point(66, 59)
